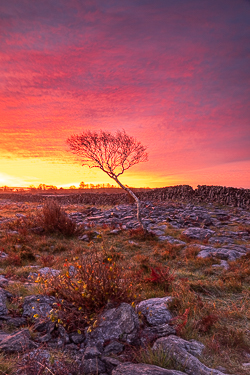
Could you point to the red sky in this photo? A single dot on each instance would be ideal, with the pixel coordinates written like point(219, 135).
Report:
point(173, 73)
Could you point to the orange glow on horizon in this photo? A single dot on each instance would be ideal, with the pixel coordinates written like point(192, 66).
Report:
point(175, 75)
point(27, 172)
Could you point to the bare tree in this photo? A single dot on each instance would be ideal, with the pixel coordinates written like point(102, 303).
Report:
point(112, 153)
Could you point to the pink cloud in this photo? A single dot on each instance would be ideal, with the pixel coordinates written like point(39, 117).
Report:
point(175, 74)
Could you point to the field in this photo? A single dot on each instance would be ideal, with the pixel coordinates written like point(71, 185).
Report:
point(209, 304)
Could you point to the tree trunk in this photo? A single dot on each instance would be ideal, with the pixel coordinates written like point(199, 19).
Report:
point(137, 200)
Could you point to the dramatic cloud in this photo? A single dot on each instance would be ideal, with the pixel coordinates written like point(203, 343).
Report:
point(173, 73)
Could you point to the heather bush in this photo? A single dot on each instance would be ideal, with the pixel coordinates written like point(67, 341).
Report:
point(88, 284)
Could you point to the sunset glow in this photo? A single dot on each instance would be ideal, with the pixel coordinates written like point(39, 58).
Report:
point(173, 74)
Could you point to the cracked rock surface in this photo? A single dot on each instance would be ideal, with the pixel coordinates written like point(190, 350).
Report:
point(184, 353)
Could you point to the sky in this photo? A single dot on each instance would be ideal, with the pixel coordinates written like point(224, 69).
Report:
point(174, 74)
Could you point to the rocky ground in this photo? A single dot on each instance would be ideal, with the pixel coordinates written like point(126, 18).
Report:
point(195, 220)
point(218, 233)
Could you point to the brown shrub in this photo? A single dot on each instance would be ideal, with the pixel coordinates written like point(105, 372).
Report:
point(205, 324)
point(47, 260)
point(171, 251)
point(54, 219)
point(191, 252)
point(139, 234)
point(87, 287)
point(13, 259)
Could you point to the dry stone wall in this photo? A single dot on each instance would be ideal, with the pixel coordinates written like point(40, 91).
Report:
point(230, 196)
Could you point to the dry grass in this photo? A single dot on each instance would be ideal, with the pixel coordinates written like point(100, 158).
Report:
point(42, 362)
point(7, 364)
point(209, 304)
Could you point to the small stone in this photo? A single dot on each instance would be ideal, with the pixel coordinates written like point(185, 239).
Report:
point(246, 364)
point(47, 271)
point(92, 366)
point(85, 237)
point(114, 232)
point(3, 308)
point(91, 352)
point(155, 332)
point(76, 338)
point(3, 255)
point(113, 348)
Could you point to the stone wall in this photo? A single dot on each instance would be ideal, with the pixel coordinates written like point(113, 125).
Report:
point(216, 194)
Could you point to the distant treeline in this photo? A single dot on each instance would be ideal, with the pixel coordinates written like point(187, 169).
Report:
point(44, 187)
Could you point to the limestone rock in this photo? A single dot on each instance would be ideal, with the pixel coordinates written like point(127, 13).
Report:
point(17, 342)
point(184, 353)
point(3, 308)
point(92, 366)
point(220, 240)
point(143, 369)
point(38, 304)
point(41, 361)
point(155, 310)
point(3, 280)
point(149, 334)
point(172, 240)
point(39, 358)
point(117, 323)
point(3, 336)
point(76, 338)
point(13, 322)
point(48, 271)
point(91, 352)
point(110, 363)
point(229, 252)
point(198, 233)
point(114, 347)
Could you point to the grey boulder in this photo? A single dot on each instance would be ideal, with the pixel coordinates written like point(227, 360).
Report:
point(155, 310)
point(119, 323)
point(184, 354)
point(17, 342)
point(38, 305)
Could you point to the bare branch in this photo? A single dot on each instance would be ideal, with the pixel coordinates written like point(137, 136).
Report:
point(112, 153)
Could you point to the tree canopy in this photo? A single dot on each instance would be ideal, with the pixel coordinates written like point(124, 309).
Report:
point(112, 153)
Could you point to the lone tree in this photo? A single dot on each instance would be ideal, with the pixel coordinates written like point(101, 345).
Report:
point(112, 153)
